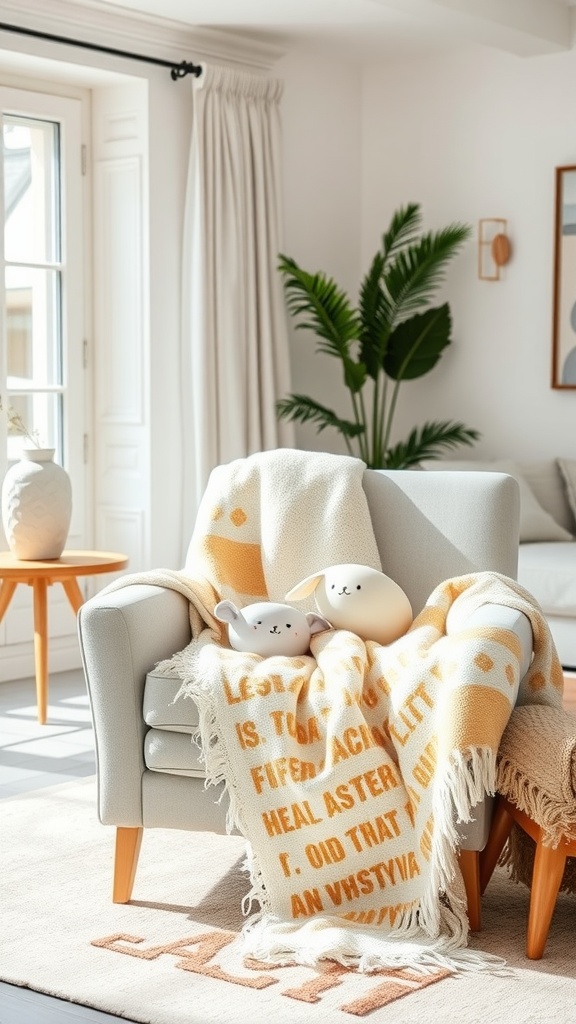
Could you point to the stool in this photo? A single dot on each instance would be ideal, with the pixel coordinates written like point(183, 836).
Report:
point(536, 783)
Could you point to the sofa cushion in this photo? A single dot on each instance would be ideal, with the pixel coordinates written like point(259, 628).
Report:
point(536, 524)
point(162, 711)
point(172, 752)
point(567, 468)
point(548, 572)
point(544, 478)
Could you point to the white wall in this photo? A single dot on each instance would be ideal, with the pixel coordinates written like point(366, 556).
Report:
point(475, 135)
point(322, 206)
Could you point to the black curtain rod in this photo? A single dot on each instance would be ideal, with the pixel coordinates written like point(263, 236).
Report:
point(177, 70)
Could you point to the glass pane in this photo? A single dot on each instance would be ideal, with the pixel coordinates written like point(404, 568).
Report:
point(34, 420)
point(33, 350)
point(31, 190)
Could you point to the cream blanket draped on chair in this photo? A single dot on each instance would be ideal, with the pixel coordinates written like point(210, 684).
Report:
point(346, 768)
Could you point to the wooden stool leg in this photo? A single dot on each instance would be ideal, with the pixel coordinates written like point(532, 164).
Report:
point(548, 870)
point(41, 646)
point(7, 588)
point(128, 842)
point(500, 829)
point(470, 867)
point(73, 593)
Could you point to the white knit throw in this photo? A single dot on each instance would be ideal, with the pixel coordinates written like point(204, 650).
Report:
point(346, 769)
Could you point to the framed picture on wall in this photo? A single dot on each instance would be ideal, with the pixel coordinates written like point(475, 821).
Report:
point(564, 319)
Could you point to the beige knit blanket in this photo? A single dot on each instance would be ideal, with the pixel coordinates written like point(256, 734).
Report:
point(346, 769)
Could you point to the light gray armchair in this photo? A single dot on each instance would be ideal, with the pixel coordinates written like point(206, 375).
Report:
point(428, 527)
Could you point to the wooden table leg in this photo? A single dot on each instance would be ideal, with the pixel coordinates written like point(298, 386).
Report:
point(73, 593)
point(41, 646)
point(6, 590)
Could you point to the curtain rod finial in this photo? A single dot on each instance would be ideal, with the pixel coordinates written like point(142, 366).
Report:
point(185, 68)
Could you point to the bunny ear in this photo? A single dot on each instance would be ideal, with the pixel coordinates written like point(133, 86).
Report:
point(226, 611)
point(304, 588)
point(317, 623)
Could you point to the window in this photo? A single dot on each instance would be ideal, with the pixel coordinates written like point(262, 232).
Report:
point(41, 284)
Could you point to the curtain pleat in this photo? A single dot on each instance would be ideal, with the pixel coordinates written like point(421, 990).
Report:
point(235, 361)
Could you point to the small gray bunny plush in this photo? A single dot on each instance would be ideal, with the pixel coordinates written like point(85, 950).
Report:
point(268, 628)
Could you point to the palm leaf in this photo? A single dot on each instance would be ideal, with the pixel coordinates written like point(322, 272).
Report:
point(416, 345)
point(403, 229)
point(301, 409)
point(428, 442)
point(374, 316)
point(413, 276)
point(322, 307)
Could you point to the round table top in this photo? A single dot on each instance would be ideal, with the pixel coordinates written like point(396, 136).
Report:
point(70, 563)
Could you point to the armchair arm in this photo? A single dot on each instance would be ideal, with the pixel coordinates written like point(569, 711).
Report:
point(514, 621)
point(123, 635)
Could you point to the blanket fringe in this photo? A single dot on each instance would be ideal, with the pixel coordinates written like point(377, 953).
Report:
point(558, 819)
point(358, 946)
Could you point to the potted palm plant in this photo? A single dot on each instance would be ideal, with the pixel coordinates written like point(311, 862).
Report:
point(393, 334)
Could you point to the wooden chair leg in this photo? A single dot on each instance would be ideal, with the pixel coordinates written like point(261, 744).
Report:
point(500, 829)
point(546, 878)
point(128, 842)
point(470, 868)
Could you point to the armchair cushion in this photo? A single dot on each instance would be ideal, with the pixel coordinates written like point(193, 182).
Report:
point(161, 709)
point(172, 752)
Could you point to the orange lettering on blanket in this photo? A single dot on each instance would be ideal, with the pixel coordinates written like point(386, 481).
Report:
point(281, 819)
point(309, 903)
point(376, 781)
point(423, 770)
point(372, 833)
point(247, 734)
point(379, 876)
point(276, 773)
point(256, 686)
point(327, 851)
point(377, 917)
point(369, 697)
point(426, 839)
point(302, 732)
point(412, 804)
point(383, 684)
point(410, 715)
point(354, 740)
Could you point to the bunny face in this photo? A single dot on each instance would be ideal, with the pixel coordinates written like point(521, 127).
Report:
point(360, 599)
point(268, 628)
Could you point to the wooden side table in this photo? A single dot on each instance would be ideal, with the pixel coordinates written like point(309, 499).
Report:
point(41, 575)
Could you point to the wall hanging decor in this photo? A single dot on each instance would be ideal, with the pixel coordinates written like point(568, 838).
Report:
point(494, 249)
point(564, 309)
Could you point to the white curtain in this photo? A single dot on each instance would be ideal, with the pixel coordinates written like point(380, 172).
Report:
point(235, 362)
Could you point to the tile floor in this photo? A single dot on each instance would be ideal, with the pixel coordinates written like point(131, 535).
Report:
point(33, 756)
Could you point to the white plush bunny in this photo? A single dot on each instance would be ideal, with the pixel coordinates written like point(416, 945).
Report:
point(360, 599)
point(268, 628)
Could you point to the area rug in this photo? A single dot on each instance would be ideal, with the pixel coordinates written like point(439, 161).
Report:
point(171, 955)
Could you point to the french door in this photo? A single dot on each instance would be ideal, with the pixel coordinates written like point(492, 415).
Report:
point(41, 379)
point(43, 390)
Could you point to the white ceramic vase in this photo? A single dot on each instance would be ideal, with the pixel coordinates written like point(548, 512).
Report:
point(36, 505)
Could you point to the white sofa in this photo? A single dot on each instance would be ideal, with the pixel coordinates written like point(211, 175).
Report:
point(547, 551)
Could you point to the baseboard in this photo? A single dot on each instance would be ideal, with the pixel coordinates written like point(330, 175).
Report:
point(63, 655)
